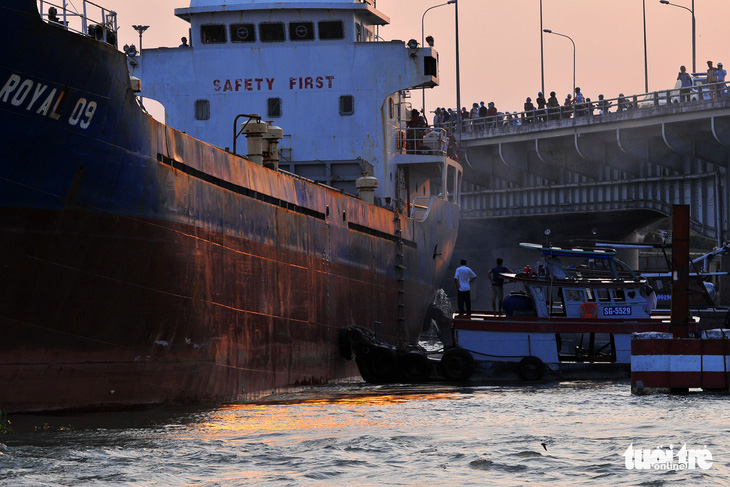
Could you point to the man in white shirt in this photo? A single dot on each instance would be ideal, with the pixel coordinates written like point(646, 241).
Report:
point(463, 279)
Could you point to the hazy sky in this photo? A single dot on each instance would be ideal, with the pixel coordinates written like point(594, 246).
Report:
point(500, 43)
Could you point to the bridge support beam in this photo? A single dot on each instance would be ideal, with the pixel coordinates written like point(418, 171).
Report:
point(564, 154)
point(647, 147)
point(520, 157)
point(721, 130)
point(598, 149)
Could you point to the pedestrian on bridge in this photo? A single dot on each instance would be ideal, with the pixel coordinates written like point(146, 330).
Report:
point(711, 79)
point(721, 73)
point(686, 81)
point(603, 105)
point(541, 113)
point(529, 110)
point(553, 107)
point(568, 106)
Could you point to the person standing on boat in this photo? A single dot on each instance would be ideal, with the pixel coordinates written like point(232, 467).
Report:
point(463, 279)
point(497, 285)
point(651, 299)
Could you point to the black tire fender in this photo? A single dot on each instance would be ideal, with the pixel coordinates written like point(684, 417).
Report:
point(414, 367)
point(379, 366)
point(531, 368)
point(457, 364)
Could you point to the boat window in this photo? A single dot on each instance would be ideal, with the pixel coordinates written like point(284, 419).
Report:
point(619, 295)
point(391, 106)
point(213, 34)
point(273, 107)
point(331, 29)
point(301, 31)
point(556, 305)
point(603, 294)
point(243, 33)
point(574, 295)
point(202, 109)
point(589, 295)
point(272, 32)
point(347, 105)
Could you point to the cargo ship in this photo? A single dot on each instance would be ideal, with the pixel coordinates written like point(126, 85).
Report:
point(146, 263)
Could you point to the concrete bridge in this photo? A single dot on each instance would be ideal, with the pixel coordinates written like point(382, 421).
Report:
point(614, 172)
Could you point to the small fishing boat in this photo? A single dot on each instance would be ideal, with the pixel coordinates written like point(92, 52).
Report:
point(572, 318)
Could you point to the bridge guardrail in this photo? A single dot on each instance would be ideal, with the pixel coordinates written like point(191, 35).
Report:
point(700, 93)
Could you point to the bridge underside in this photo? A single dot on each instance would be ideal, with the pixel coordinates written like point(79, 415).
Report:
point(644, 159)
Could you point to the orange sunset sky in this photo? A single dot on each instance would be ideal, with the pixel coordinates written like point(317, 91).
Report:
point(500, 43)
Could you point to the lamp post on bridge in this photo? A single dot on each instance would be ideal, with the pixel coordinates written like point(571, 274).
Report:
point(548, 31)
point(140, 29)
point(458, 78)
point(423, 17)
point(694, 44)
point(542, 56)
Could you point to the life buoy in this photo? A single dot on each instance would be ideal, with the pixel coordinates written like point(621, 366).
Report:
point(531, 368)
point(457, 364)
point(588, 310)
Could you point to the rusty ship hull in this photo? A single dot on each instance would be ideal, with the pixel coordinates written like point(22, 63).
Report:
point(142, 266)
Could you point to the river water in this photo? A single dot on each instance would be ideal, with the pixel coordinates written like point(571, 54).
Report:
point(364, 435)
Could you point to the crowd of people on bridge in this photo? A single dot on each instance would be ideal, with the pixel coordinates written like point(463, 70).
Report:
point(420, 136)
point(575, 104)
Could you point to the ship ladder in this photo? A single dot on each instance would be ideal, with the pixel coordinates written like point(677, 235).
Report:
point(400, 272)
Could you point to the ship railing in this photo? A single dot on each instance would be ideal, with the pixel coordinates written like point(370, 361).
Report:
point(423, 140)
point(93, 20)
point(420, 207)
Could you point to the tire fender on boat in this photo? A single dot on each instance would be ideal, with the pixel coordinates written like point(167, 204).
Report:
point(414, 367)
point(378, 366)
point(457, 364)
point(531, 368)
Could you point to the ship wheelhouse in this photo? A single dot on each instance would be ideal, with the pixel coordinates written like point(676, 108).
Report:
point(319, 67)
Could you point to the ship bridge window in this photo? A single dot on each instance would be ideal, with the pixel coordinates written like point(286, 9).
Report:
point(213, 34)
point(272, 32)
point(331, 29)
point(429, 66)
point(202, 110)
point(273, 107)
point(347, 105)
point(243, 33)
point(301, 31)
